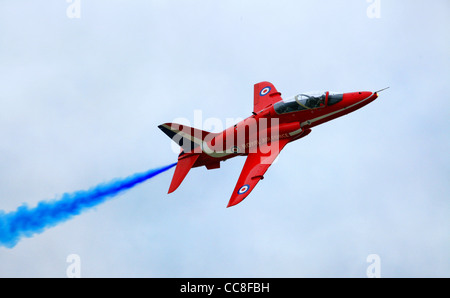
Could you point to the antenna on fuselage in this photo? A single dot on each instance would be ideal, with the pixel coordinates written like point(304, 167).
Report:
point(382, 90)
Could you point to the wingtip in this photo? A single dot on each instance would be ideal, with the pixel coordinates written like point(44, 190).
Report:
point(234, 201)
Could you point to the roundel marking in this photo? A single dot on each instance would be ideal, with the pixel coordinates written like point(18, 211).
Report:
point(243, 189)
point(264, 91)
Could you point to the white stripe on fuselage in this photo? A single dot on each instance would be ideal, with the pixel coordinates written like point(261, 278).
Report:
point(218, 154)
point(308, 122)
point(251, 143)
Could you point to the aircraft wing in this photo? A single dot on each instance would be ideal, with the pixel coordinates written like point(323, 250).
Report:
point(254, 168)
point(264, 95)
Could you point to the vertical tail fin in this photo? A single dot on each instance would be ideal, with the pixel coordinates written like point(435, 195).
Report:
point(190, 140)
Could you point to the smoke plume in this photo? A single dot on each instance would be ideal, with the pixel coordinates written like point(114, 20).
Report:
point(25, 221)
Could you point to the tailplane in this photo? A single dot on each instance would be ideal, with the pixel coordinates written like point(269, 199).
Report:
point(190, 140)
point(184, 165)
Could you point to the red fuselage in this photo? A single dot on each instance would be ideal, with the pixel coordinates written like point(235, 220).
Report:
point(275, 123)
point(272, 123)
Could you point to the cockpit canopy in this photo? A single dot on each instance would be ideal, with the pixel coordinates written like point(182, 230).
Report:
point(306, 101)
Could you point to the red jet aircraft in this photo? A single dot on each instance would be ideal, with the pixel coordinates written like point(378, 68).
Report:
point(275, 122)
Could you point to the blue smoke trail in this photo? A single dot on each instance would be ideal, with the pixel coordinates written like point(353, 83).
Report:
point(24, 222)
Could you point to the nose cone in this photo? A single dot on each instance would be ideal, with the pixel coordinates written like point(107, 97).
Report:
point(359, 99)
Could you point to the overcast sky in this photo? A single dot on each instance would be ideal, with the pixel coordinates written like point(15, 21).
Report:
point(81, 99)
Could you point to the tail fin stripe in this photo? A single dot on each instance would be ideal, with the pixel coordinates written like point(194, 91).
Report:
point(186, 137)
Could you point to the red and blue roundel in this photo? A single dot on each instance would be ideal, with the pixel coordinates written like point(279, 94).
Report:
point(243, 189)
point(264, 91)
point(235, 149)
